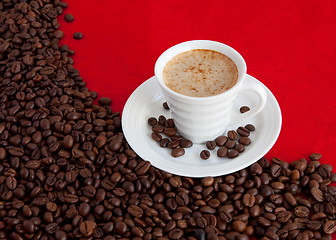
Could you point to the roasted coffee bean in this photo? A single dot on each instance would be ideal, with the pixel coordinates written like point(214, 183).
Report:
point(173, 144)
point(177, 152)
point(205, 154)
point(68, 17)
point(156, 137)
point(244, 132)
point(250, 127)
point(152, 121)
point(135, 211)
point(240, 148)
point(104, 101)
point(222, 151)
point(315, 156)
point(221, 140)
point(185, 143)
point(142, 167)
point(233, 153)
point(329, 227)
point(211, 145)
point(244, 140)
point(244, 109)
point(317, 194)
point(232, 135)
point(164, 142)
point(87, 228)
point(78, 35)
point(230, 144)
point(165, 105)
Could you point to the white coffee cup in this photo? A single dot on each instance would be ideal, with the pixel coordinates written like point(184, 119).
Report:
point(201, 119)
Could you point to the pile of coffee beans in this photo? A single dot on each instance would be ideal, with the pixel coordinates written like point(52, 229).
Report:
point(66, 171)
point(165, 133)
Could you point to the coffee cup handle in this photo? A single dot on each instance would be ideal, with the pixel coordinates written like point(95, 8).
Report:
point(247, 88)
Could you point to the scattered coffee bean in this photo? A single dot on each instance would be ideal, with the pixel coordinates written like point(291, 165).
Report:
point(222, 151)
point(315, 156)
point(250, 127)
point(221, 140)
point(211, 145)
point(244, 140)
point(77, 35)
point(165, 105)
point(232, 135)
point(177, 152)
point(244, 109)
point(233, 153)
point(104, 101)
point(205, 154)
point(244, 132)
point(68, 17)
point(152, 121)
point(185, 143)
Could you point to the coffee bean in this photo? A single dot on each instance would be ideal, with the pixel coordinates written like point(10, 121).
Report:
point(211, 145)
point(244, 140)
point(173, 144)
point(221, 140)
point(156, 137)
point(28, 226)
point(244, 132)
point(165, 105)
point(15, 151)
point(244, 109)
point(77, 35)
point(135, 211)
point(152, 121)
point(11, 182)
point(230, 144)
point(240, 148)
point(177, 152)
point(250, 127)
point(317, 194)
point(329, 227)
point(142, 168)
point(248, 200)
point(185, 143)
point(164, 142)
point(233, 153)
point(239, 226)
point(87, 227)
point(158, 128)
point(232, 135)
point(222, 151)
point(170, 131)
point(104, 101)
point(68, 17)
point(315, 156)
point(205, 154)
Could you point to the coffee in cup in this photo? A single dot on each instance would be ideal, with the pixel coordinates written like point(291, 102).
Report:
point(200, 73)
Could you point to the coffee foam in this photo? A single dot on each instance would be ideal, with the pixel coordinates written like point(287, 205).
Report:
point(200, 73)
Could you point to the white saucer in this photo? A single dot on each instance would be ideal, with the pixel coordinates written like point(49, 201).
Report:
point(146, 101)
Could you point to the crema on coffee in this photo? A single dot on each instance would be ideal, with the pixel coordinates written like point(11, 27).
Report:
point(200, 73)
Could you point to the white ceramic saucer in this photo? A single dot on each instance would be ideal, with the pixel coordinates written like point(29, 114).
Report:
point(146, 101)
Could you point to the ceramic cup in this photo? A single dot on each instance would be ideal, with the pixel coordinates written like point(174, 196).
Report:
point(201, 119)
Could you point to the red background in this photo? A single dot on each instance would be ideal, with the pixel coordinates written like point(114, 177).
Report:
point(288, 45)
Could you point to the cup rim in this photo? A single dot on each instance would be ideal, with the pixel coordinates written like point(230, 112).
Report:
point(234, 88)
